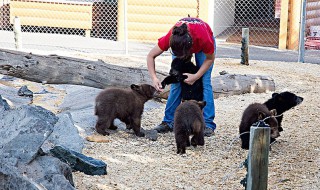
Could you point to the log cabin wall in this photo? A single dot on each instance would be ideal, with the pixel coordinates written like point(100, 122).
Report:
point(149, 20)
point(313, 18)
point(51, 13)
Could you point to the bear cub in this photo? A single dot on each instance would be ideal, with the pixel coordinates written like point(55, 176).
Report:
point(282, 102)
point(178, 67)
point(125, 104)
point(188, 120)
point(252, 114)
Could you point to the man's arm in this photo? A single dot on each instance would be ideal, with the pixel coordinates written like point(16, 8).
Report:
point(204, 67)
point(154, 52)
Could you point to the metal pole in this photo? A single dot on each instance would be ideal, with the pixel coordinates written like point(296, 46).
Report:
point(126, 26)
point(302, 32)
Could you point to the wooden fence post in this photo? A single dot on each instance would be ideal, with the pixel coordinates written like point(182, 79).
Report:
point(17, 33)
point(245, 46)
point(258, 157)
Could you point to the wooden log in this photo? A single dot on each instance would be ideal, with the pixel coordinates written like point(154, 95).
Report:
point(54, 69)
point(258, 158)
point(235, 84)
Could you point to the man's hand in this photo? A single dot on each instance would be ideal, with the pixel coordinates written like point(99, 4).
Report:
point(192, 78)
point(157, 84)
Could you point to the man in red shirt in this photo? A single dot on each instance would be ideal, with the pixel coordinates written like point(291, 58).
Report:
point(187, 37)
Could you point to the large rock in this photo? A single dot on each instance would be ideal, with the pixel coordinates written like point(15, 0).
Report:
point(49, 172)
point(10, 178)
point(64, 130)
point(23, 130)
point(79, 101)
point(44, 172)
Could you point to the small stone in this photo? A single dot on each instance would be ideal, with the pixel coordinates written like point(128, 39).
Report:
point(24, 91)
point(223, 72)
point(151, 134)
point(98, 138)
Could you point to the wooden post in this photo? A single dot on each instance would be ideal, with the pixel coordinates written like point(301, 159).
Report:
point(294, 24)
point(245, 46)
point(258, 157)
point(87, 33)
point(17, 33)
point(284, 16)
point(120, 28)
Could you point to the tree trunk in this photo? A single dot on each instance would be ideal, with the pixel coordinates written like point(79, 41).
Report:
point(54, 69)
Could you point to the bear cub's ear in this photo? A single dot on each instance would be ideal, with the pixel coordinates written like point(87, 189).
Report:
point(202, 104)
point(261, 115)
point(274, 95)
point(135, 87)
point(273, 112)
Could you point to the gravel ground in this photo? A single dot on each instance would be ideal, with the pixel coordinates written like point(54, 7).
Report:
point(138, 163)
point(294, 162)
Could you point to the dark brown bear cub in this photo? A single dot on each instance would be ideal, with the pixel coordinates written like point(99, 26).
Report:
point(178, 68)
point(188, 120)
point(125, 104)
point(252, 114)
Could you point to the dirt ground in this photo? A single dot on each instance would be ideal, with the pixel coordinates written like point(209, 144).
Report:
point(138, 163)
point(294, 160)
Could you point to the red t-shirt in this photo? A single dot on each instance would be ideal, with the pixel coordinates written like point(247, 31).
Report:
point(200, 32)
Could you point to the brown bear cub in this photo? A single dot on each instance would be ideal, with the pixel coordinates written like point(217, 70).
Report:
point(252, 114)
point(188, 120)
point(125, 104)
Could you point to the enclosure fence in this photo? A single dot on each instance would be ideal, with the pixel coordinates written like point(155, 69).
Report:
point(272, 23)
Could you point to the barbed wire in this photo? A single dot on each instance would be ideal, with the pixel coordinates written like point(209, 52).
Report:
point(245, 162)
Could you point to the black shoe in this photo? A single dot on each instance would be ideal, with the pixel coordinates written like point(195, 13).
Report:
point(208, 132)
point(163, 128)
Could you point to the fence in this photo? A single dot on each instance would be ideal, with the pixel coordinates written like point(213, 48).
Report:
point(272, 23)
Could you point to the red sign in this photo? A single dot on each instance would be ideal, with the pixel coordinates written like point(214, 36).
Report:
point(277, 9)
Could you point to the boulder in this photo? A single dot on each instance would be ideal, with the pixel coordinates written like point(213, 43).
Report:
point(80, 162)
point(63, 131)
point(23, 131)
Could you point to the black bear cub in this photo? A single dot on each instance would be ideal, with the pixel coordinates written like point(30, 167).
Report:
point(252, 114)
point(283, 102)
point(188, 120)
point(178, 67)
point(125, 104)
